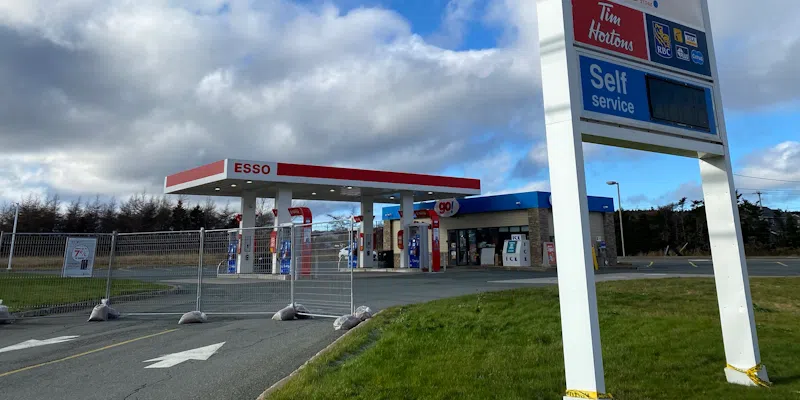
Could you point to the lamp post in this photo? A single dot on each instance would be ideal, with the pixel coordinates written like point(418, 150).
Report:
point(619, 199)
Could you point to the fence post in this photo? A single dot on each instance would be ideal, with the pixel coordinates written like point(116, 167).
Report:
point(13, 236)
point(111, 265)
point(200, 267)
point(354, 243)
point(292, 263)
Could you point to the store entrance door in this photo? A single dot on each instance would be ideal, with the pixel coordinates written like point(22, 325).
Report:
point(467, 247)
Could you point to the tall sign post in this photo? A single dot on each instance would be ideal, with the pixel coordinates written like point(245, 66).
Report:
point(637, 74)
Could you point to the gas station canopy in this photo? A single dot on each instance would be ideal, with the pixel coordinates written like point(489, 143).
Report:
point(310, 182)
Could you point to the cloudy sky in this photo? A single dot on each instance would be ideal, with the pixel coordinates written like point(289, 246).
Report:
point(109, 96)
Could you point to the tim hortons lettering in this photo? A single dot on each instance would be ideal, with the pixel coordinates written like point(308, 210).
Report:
point(612, 38)
point(610, 26)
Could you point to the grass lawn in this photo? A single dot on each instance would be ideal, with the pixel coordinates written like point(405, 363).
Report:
point(661, 340)
point(26, 292)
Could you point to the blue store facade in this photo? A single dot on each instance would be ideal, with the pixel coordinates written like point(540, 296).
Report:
point(474, 235)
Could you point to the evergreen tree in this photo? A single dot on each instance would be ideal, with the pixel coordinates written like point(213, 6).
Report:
point(72, 218)
point(197, 218)
point(90, 220)
point(792, 231)
point(108, 217)
point(180, 218)
point(163, 217)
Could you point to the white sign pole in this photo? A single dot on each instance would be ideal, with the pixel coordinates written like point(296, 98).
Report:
point(636, 77)
point(583, 361)
point(727, 252)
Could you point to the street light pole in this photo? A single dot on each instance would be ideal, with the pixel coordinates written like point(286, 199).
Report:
point(619, 200)
point(13, 236)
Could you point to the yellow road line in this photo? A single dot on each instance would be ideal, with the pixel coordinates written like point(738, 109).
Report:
point(782, 264)
point(651, 264)
point(693, 264)
point(85, 353)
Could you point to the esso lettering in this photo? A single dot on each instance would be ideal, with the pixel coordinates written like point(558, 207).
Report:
point(248, 168)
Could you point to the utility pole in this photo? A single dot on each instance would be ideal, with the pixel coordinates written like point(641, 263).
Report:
point(760, 205)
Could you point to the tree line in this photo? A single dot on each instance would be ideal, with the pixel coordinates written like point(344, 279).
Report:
point(680, 228)
point(139, 213)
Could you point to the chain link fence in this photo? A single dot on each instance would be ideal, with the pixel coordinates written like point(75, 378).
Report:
point(165, 273)
point(324, 263)
point(256, 289)
point(51, 273)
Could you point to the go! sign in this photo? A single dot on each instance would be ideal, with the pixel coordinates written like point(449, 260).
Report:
point(446, 207)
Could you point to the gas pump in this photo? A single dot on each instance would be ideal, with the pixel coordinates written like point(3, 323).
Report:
point(352, 249)
point(418, 256)
point(285, 249)
point(352, 260)
point(233, 249)
point(601, 251)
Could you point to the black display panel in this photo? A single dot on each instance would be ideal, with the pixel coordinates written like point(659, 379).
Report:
point(678, 103)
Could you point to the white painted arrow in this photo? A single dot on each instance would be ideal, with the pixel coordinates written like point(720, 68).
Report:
point(35, 343)
point(169, 360)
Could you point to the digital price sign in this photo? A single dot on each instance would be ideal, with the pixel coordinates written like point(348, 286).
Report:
point(677, 103)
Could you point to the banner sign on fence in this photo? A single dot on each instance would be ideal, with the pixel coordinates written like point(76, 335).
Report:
point(79, 257)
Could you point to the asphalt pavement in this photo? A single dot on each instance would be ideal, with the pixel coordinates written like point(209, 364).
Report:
point(237, 357)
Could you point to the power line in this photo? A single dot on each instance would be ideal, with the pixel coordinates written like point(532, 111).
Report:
point(767, 190)
point(766, 179)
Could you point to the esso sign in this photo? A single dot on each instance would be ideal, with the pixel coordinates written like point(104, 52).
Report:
point(247, 168)
point(447, 208)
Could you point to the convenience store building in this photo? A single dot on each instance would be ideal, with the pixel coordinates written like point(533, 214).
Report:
point(473, 229)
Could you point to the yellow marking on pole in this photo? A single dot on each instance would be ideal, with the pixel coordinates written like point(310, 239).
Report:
point(693, 264)
point(782, 264)
point(85, 353)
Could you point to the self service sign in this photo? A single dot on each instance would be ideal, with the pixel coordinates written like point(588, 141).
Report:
point(620, 91)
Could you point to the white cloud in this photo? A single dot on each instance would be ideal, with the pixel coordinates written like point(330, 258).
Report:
point(758, 50)
point(109, 97)
point(777, 164)
point(534, 186)
point(457, 15)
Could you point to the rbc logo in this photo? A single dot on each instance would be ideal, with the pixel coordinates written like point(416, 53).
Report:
point(697, 57)
point(663, 40)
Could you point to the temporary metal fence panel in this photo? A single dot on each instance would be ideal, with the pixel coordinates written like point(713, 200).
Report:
point(322, 267)
point(156, 272)
point(48, 274)
point(262, 288)
point(176, 272)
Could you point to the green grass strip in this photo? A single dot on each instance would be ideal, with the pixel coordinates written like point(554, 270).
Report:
point(22, 292)
point(661, 340)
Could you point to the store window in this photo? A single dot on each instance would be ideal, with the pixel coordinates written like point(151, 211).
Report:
point(466, 245)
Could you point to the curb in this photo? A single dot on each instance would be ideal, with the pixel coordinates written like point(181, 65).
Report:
point(279, 384)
